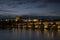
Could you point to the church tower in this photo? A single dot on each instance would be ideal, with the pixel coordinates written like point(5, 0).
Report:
point(17, 18)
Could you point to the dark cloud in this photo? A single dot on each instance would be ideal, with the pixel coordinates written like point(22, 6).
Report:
point(56, 12)
point(54, 1)
point(39, 7)
point(37, 0)
point(40, 3)
point(4, 10)
point(27, 1)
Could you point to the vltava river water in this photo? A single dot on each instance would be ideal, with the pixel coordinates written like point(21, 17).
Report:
point(29, 34)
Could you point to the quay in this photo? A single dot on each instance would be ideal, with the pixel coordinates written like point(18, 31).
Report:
point(29, 23)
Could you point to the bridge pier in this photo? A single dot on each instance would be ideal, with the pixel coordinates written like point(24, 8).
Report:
point(41, 26)
point(49, 26)
point(54, 26)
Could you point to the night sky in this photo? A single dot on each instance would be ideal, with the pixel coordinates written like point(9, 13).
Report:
point(30, 7)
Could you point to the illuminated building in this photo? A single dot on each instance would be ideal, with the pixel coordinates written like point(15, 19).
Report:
point(17, 18)
point(35, 20)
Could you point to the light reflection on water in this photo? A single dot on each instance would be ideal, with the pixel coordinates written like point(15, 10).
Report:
point(29, 34)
